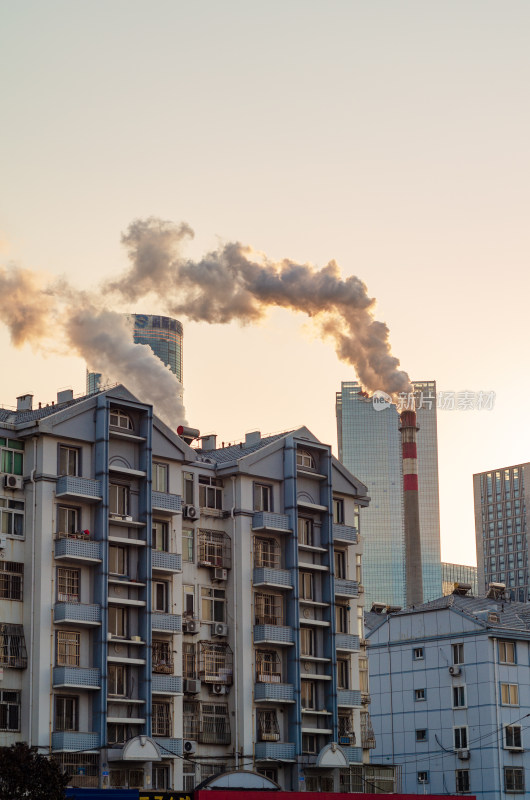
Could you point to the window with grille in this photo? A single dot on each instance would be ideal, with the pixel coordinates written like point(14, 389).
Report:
point(68, 520)
point(11, 456)
point(9, 710)
point(268, 728)
point(190, 719)
point(11, 517)
point(268, 667)
point(68, 585)
point(66, 713)
point(159, 477)
point(82, 769)
point(11, 575)
point(268, 609)
point(12, 646)
point(462, 780)
point(189, 663)
point(262, 497)
point(214, 549)
point(307, 641)
point(67, 648)
point(267, 553)
point(210, 492)
point(367, 731)
point(346, 728)
point(119, 419)
point(211, 769)
point(509, 694)
point(512, 737)
point(68, 460)
point(162, 658)
point(514, 779)
point(305, 531)
point(215, 662)
point(215, 724)
point(117, 680)
point(160, 536)
point(161, 719)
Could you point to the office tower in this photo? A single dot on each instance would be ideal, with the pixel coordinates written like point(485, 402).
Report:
point(458, 573)
point(502, 498)
point(164, 336)
point(369, 444)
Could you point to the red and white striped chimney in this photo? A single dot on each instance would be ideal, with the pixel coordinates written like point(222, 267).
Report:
point(413, 574)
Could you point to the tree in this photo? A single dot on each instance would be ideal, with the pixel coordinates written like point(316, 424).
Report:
point(25, 774)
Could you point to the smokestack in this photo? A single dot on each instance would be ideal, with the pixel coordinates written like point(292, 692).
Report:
point(413, 574)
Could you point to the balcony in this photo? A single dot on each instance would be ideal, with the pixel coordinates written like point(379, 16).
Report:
point(345, 588)
point(65, 741)
point(77, 613)
point(165, 503)
point(266, 521)
point(275, 634)
point(170, 623)
point(73, 549)
point(274, 692)
point(72, 488)
point(274, 751)
point(347, 642)
point(166, 562)
point(267, 576)
point(350, 698)
point(169, 748)
point(166, 684)
point(76, 678)
point(345, 534)
point(354, 755)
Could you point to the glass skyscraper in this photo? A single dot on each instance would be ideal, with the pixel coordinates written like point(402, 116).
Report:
point(369, 442)
point(164, 336)
point(501, 529)
point(458, 573)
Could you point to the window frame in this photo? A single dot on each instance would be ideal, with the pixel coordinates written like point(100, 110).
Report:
point(211, 492)
point(509, 687)
point(66, 713)
point(513, 732)
point(11, 580)
point(120, 417)
point(67, 648)
point(306, 531)
point(161, 597)
point(119, 615)
point(159, 476)
point(460, 737)
point(71, 524)
point(9, 450)
point(188, 545)
point(418, 654)
point(12, 517)
point(70, 450)
point(119, 553)
point(504, 646)
point(262, 497)
point(119, 677)
point(308, 693)
point(305, 459)
point(213, 598)
point(338, 510)
point(306, 585)
point(307, 636)
point(421, 738)
point(423, 777)
point(459, 694)
point(420, 695)
point(160, 535)
point(513, 780)
point(121, 500)
point(68, 585)
point(459, 774)
point(458, 653)
point(10, 706)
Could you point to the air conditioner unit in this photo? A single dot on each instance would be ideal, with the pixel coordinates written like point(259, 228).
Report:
point(463, 755)
point(3, 542)
point(190, 512)
point(219, 629)
point(455, 671)
point(13, 481)
point(220, 574)
point(189, 747)
point(191, 626)
point(191, 686)
point(218, 688)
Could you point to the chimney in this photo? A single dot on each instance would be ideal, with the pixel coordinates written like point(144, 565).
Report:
point(65, 395)
point(254, 437)
point(409, 453)
point(25, 402)
point(209, 442)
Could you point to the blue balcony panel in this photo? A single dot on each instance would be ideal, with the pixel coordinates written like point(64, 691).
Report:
point(77, 613)
point(63, 741)
point(345, 534)
point(279, 634)
point(171, 623)
point(276, 692)
point(72, 488)
point(167, 684)
point(166, 562)
point(354, 755)
point(346, 588)
point(169, 748)
point(274, 751)
point(348, 697)
point(76, 677)
point(266, 521)
point(347, 641)
point(77, 550)
point(266, 576)
point(166, 503)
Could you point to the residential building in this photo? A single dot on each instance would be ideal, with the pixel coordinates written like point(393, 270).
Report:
point(450, 683)
point(164, 336)
point(369, 445)
point(168, 613)
point(458, 573)
point(502, 498)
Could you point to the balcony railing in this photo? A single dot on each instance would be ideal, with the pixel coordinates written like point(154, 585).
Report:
point(70, 549)
point(77, 613)
point(274, 751)
point(169, 748)
point(166, 684)
point(280, 634)
point(166, 562)
point(347, 641)
point(346, 588)
point(354, 755)
point(171, 623)
point(345, 534)
point(348, 697)
point(266, 521)
point(214, 730)
point(63, 741)
point(76, 677)
point(276, 692)
point(70, 487)
point(166, 503)
point(267, 576)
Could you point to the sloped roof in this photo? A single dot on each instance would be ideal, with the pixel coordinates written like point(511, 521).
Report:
point(14, 417)
point(227, 455)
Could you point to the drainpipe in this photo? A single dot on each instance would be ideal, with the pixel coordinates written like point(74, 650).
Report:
point(234, 573)
point(499, 730)
point(32, 604)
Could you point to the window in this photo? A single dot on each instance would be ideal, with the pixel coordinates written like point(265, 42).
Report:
point(358, 568)
point(210, 492)
point(117, 621)
point(269, 772)
point(160, 596)
point(458, 653)
point(308, 693)
point(213, 604)
point(512, 737)
point(161, 778)
point(268, 609)
point(190, 719)
point(160, 536)
point(346, 728)
point(460, 738)
point(268, 728)
point(188, 545)
point(342, 618)
point(119, 499)
point(459, 696)
point(162, 660)
point(266, 553)
point(9, 710)
point(340, 564)
point(309, 743)
point(12, 646)
point(11, 517)
point(67, 648)
point(159, 477)
point(214, 549)
point(67, 585)
point(423, 777)
point(418, 654)
point(68, 460)
point(421, 735)
point(507, 653)
point(11, 575)
point(307, 641)
point(215, 724)
point(338, 511)
point(11, 456)
point(117, 680)
point(462, 780)
point(514, 779)
point(305, 585)
point(161, 719)
point(116, 735)
point(188, 497)
point(188, 596)
point(305, 531)
point(117, 560)
point(304, 459)
point(215, 662)
point(262, 497)
point(509, 694)
point(343, 673)
point(119, 419)
point(364, 684)
point(189, 662)
point(268, 667)
point(66, 713)
point(419, 694)
point(83, 768)
point(67, 520)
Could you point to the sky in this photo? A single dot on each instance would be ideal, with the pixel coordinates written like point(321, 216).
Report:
point(391, 137)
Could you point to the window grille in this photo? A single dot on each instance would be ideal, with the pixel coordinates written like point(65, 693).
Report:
point(11, 575)
point(12, 646)
point(189, 663)
point(190, 719)
point(367, 732)
point(267, 553)
point(9, 710)
point(67, 585)
point(268, 667)
point(67, 651)
point(268, 728)
point(162, 657)
point(82, 769)
point(214, 549)
point(215, 724)
point(215, 662)
point(161, 719)
point(268, 609)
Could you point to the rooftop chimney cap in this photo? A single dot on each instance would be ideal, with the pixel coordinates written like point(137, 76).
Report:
point(25, 402)
point(65, 395)
point(253, 437)
point(209, 442)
